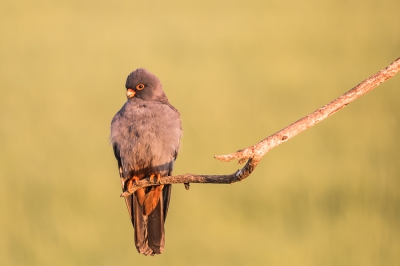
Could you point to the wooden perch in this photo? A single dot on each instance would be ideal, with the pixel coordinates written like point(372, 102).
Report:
point(254, 154)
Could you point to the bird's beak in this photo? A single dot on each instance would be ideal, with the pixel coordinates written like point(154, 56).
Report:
point(130, 93)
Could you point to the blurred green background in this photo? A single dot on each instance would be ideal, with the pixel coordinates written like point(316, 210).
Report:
point(238, 71)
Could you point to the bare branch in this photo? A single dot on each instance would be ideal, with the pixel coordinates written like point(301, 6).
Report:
point(254, 154)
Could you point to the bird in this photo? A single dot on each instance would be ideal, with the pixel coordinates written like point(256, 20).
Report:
point(145, 136)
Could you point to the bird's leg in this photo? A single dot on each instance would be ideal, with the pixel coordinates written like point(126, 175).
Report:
point(129, 186)
point(135, 178)
point(152, 178)
point(157, 179)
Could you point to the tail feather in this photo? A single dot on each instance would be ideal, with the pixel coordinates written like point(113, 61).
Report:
point(149, 229)
point(140, 224)
point(155, 229)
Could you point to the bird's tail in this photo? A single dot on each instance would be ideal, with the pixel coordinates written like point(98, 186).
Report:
point(149, 229)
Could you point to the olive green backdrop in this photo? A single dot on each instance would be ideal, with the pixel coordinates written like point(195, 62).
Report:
point(238, 71)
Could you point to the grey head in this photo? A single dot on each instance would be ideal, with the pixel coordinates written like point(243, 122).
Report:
point(142, 84)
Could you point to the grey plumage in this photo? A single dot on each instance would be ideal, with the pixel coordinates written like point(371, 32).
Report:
point(145, 135)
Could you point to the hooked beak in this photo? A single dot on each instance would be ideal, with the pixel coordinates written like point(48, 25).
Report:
point(130, 93)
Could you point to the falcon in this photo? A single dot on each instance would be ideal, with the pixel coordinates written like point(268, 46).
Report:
point(145, 136)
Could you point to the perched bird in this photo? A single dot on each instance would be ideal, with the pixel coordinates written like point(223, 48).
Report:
point(145, 135)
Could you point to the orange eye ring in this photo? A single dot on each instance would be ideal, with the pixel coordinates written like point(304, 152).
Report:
point(140, 87)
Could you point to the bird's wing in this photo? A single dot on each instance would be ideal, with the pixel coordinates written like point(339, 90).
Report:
point(128, 199)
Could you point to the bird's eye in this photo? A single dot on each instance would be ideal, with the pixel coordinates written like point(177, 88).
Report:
point(140, 87)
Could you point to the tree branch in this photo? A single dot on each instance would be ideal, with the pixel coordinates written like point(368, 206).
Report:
point(254, 154)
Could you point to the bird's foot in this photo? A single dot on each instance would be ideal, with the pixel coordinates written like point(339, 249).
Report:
point(157, 179)
point(129, 186)
point(136, 179)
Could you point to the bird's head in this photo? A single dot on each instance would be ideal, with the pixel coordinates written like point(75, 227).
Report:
point(144, 85)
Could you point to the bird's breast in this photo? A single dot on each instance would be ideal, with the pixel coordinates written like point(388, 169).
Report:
point(148, 136)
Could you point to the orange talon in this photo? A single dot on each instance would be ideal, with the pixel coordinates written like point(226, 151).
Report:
point(136, 179)
point(128, 188)
point(152, 178)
